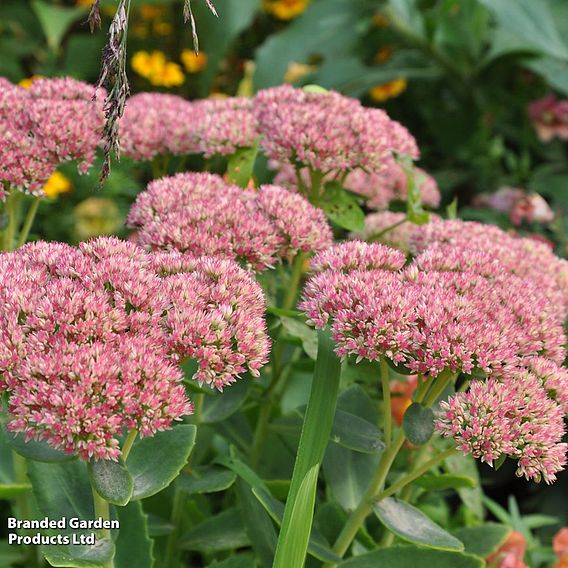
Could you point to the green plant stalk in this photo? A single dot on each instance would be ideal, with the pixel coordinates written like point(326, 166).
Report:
point(295, 279)
point(386, 230)
point(172, 552)
point(315, 433)
point(358, 516)
point(387, 412)
point(128, 443)
point(30, 216)
point(316, 178)
point(102, 510)
point(12, 208)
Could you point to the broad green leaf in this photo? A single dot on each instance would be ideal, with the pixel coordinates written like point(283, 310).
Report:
point(406, 15)
point(56, 20)
point(221, 405)
point(356, 433)
point(241, 165)
point(11, 555)
point(314, 437)
point(241, 561)
point(133, 546)
point(155, 462)
point(554, 71)
point(418, 423)
point(484, 539)
point(293, 544)
point(530, 21)
point(342, 208)
point(410, 524)
point(10, 490)
point(412, 557)
point(328, 29)
point(459, 464)
point(443, 481)
point(37, 451)
point(224, 531)
point(79, 556)
point(63, 490)
point(111, 480)
point(206, 480)
point(307, 335)
point(414, 211)
point(348, 474)
point(258, 523)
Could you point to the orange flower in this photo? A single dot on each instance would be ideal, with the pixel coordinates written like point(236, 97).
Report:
point(390, 90)
point(193, 63)
point(285, 9)
point(401, 396)
point(560, 547)
point(511, 553)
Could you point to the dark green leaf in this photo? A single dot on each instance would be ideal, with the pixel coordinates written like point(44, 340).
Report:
point(56, 20)
point(221, 405)
point(459, 464)
point(484, 539)
point(111, 480)
point(355, 433)
point(342, 208)
point(445, 481)
point(37, 451)
point(307, 335)
point(206, 480)
point(224, 531)
point(410, 524)
point(241, 165)
point(155, 462)
point(418, 423)
point(240, 561)
point(411, 557)
point(133, 546)
point(79, 556)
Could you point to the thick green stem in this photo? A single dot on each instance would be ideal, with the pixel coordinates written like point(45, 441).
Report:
point(102, 510)
point(295, 278)
point(357, 517)
point(316, 178)
point(12, 208)
point(30, 216)
point(128, 444)
point(387, 411)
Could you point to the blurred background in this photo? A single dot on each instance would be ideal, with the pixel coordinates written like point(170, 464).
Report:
point(481, 84)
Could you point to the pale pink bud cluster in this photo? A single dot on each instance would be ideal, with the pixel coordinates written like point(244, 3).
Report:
point(513, 418)
point(200, 214)
point(391, 184)
point(550, 118)
point(223, 126)
point(156, 124)
point(54, 121)
point(91, 338)
point(525, 257)
point(327, 131)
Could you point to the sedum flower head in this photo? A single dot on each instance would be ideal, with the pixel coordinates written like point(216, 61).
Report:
point(327, 131)
point(200, 214)
point(91, 338)
point(513, 418)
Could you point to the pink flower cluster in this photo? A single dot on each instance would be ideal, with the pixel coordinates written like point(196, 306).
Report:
point(158, 124)
point(513, 418)
point(327, 131)
point(391, 184)
point(550, 118)
point(455, 309)
point(91, 338)
point(54, 121)
point(198, 213)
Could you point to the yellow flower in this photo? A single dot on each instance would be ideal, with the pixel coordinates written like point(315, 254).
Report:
point(56, 184)
point(148, 64)
point(193, 63)
point(285, 9)
point(96, 216)
point(170, 75)
point(297, 71)
point(390, 90)
point(27, 83)
point(84, 3)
